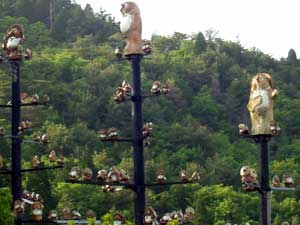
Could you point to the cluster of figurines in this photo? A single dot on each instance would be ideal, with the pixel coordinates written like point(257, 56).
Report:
point(34, 99)
point(13, 44)
point(287, 180)
point(119, 176)
point(248, 178)
point(114, 175)
point(53, 158)
point(274, 129)
point(29, 199)
point(184, 176)
point(112, 134)
point(151, 218)
point(250, 183)
point(68, 214)
point(124, 90)
point(146, 48)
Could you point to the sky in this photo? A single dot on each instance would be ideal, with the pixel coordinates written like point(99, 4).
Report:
point(271, 26)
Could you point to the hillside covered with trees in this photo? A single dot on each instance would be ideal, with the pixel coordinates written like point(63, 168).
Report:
point(195, 125)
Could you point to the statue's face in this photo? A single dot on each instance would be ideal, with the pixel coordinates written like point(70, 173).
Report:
point(263, 82)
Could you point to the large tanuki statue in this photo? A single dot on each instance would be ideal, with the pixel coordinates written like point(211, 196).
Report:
point(260, 106)
point(131, 27)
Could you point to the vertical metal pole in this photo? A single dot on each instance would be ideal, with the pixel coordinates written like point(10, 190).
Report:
point(137, 117)
point(16, 176)
point(264, 180)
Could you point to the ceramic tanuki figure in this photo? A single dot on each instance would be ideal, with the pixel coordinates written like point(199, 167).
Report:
point(13, 42)
point(19, 208)
point(119, 219)
point(276, 181)
point(2, 165)
point(288, 180)
point(131, 27)
point(248, 178)
point(261, 102)
point(150, 217)
point(67, 213)
point(53, 215)
point(37, 211)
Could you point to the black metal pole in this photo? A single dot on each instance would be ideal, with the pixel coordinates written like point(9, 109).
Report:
point(137, 117)
point(264, 180)
point(16, 176)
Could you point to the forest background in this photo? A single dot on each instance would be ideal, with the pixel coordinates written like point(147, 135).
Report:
point(195, 124)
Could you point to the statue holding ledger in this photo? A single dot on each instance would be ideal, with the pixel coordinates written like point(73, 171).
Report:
point(260, 106)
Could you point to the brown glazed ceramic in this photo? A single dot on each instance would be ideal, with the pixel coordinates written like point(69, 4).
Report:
point(131, 27)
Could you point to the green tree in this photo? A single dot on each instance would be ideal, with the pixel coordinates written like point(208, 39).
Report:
point(292, 58)
point(6, 215)
point(200, 43)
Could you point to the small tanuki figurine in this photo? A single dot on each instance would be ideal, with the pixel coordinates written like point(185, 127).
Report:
point(13, 41)
point(76, 215)
point(119, 219)
point(37, 138)
point(124, 177)
point(260, 105)
point(45, 139)
point(120, 95)
point(102, 134)
point(189, 214)
point(37, 211)
point(122, 91)
point(119, 53)
point(112, 133)
point(184, 176)
point(2, 131)
point(131, 27)
point(52, 156)
point(244, 130)
point(46, 99)
point(113, 175)
point(19, 208)
point(60, 160)
point(161, 176)
point(156, 87)
point(90, 214)
point(147, 48)
point(35, 99)
point(150, 217)
point(288, 180)
point(102, 175)
point(35, 162)
point(276, 181)
point(74, 173)
point(66, 213)
point(147, 129)
point(195, 177)
point(87, 174)
point(53, 215)
point(2, 165)
point(165, 219)
point(24, 125)
point(248, 178)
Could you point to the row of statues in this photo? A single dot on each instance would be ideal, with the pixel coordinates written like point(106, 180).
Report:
point(250, 183)
point(120, 176)
point(124, 90)
point(112, 134)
